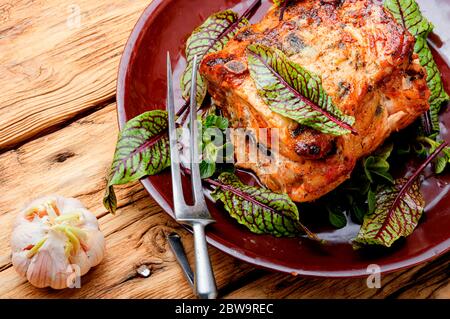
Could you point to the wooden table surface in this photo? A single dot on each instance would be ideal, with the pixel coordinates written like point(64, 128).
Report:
point(58, 129)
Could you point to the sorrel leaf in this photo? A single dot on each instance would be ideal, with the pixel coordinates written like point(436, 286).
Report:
point(428, 145)
point(210, 37)
point(396, 214)
point(259, 209)
point(292, 91)
point(142, 149)
point(407, 13)
point(398, 208)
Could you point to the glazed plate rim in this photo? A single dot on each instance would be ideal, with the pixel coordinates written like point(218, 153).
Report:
point(427, 255)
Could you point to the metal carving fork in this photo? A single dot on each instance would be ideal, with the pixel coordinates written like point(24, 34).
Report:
point(197, 215)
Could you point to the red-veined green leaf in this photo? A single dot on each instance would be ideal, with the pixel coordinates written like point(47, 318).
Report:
point(407, 13)
point(142, 149)
point(259, 209)
point(211, 36)
point(396, 214)
point(398, 208)
point(292, 91)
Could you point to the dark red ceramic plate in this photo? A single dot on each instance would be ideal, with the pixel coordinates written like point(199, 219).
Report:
point(165, 26)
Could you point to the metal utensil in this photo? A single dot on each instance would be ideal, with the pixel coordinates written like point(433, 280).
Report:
point(196, 215)
point(178, 250)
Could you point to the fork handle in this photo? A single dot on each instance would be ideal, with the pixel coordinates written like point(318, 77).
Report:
point(205, 284)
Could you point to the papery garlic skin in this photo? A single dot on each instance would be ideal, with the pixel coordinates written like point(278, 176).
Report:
point(53, 238)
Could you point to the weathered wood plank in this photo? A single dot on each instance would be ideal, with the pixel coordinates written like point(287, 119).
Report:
point(136, 236)
point(430, 280)
point(54, 66)
point(47, 83)
point(73, 162)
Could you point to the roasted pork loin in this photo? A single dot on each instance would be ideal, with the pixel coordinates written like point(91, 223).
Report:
point(367, 65)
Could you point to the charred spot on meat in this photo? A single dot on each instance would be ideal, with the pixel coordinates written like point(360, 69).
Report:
point(384, 89)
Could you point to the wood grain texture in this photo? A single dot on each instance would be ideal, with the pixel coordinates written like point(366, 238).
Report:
point(73, 162)
point(429, 280)
point(58, 78)
point(54, 65)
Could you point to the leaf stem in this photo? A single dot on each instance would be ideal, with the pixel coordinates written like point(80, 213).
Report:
point(303, 98)
point(408, 184)
point(239, 193)
point(250, 10)
point(283, 9)
point(183, 108)
point(427, 123)
point(422, 167)
point(244, 195)
point(249, 198)
point(246, 15)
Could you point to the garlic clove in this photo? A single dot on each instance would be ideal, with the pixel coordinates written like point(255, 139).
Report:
point(26, 234)
point(68, 204)
point(21, 262)
point(49, 266)
point(96, 247)
point(38, 273)
point(82, 261)
point(90, 221)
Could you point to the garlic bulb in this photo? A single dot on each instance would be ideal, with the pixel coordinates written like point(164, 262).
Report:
point(54, 240)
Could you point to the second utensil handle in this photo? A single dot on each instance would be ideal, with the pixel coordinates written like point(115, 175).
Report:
point(205, 284)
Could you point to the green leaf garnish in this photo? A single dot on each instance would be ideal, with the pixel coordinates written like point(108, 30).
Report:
point(207, 168)
point(441, 163)
point(292, 91)
point(377, 164)
point(142, 149)
point(213, 120)
point(359, 211)
point(211, 36)
point(407, 13)
point(398, 208)
point(337, 218)
point(279, 3)
point(216, 149)
point(259, 209)
point(396, 214)
point(427, 145)
point(371, 201)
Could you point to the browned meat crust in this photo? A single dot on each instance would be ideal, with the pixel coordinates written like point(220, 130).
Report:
point(367, 66)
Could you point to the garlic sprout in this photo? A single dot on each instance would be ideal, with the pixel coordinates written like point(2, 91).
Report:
point(54, 240)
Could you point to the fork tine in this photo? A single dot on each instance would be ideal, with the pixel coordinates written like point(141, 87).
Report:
point(193, 147)
point(178, 197)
